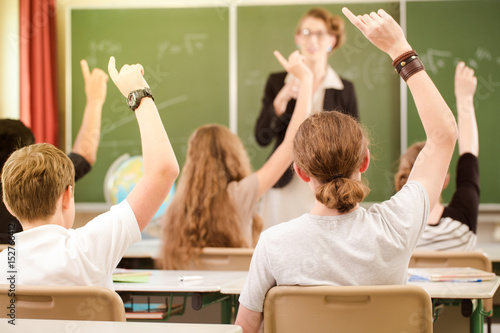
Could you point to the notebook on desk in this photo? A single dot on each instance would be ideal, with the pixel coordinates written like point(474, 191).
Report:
point(448, 274)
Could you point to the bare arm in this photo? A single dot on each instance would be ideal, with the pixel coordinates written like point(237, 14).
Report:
point(465, 87)
point(281, 159)
point(160, 165)
point(439, 124)
point(87, 140)
point(250, 321)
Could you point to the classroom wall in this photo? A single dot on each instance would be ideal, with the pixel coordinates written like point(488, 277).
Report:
point(9, 59)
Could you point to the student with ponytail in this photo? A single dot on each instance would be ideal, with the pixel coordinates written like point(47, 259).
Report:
point(339, 242)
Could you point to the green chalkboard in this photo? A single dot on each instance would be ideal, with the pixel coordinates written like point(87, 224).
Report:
point(447, 32)
point(262, 29)
point(185, 54)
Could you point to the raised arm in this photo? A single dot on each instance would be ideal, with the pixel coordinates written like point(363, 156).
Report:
point(87, 139)
point(439, 124)
point(281, 159)
point(465, 87)
point(160, 165)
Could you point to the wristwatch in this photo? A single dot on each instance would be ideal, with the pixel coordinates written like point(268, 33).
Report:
point(134, 97)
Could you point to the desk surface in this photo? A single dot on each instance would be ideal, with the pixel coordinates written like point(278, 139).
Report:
point(168, 281)
point(460, 290)
point(232, 282)
point(50, 326)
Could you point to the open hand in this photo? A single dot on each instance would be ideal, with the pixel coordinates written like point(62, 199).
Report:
point(465, 81)
point(95, 83)
point(382, 30)
point(130, 77)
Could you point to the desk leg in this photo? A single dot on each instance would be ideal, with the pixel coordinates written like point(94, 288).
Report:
point(226, 311)
point(477, 318)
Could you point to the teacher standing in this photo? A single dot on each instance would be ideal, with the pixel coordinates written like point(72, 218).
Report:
point(318, 34)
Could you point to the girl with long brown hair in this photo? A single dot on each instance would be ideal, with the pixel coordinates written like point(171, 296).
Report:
point(338, 242)
point(216, 199)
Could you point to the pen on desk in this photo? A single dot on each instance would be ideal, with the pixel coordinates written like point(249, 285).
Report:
point(190, 278)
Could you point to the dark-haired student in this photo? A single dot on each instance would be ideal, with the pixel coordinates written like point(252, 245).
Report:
point(14, 135)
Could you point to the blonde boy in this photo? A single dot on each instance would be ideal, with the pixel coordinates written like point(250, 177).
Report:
point(38, 185)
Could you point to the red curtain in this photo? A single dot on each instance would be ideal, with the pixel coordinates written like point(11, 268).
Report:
point(39, 107)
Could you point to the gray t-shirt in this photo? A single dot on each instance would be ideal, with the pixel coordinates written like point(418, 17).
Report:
point(364, 247)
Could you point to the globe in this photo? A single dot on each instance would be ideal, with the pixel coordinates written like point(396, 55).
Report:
point(121, 178)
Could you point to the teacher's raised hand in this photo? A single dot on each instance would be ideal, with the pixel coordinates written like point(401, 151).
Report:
point(295, 65)
point(382, 30)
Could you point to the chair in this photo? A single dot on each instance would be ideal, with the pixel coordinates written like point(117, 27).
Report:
point(64, 302)
point(222, 259)
point(474, 259)
point(391, 308)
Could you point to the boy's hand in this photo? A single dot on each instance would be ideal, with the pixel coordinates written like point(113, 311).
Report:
point(95, 83)
point(465, 81)
point(382, 30)
point(295, 65)
point(129, 78)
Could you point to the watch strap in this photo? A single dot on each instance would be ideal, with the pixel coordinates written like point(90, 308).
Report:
point(139, 94)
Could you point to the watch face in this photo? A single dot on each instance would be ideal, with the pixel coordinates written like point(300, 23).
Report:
point(131, 99)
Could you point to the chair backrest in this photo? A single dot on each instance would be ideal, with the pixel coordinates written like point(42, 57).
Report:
point(401, 308)
point(222, 259)
point(64, 302)
point(474, 259)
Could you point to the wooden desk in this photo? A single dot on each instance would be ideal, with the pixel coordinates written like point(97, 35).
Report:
point(215, 287)
point(50, 326)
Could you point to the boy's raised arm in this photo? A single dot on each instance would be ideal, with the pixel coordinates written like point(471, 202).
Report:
point(160, 165)
point(439, 124)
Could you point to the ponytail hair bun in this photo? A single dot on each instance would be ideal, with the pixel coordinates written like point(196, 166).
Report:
point(342, 194)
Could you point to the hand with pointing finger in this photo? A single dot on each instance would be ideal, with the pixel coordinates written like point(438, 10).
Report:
point(382, 30)
point(95, 83)
point(130, 77)
point(295, 65)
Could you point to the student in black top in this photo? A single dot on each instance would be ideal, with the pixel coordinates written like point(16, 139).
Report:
point(14, 135)
point(318, 34)
point(453, 227)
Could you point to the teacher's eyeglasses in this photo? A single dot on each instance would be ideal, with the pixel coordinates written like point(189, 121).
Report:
point(321, 35)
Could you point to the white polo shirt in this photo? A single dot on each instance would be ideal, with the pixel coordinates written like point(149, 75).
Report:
point(54, 255)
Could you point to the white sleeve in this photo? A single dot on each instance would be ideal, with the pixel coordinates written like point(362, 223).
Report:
point(260, 278)
point(105, 239)
point(406, 213)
